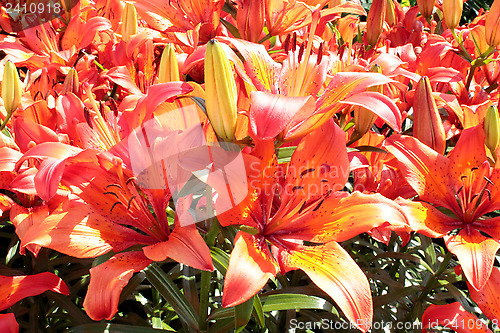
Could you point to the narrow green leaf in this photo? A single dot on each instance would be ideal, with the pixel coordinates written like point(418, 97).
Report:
point(367, 149)
point(220, 260)
point(281, 302)
point(284, 154)
point(160, 280)
point(258, 311)
point(242, 314)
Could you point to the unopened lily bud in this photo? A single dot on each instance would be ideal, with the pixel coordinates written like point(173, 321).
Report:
point(220, 91)
point(11, 88)
point(425, 7)
point(71, 82)
point(364, 118)
point(333, 3)
point(168, 70)
point(492, 25)
point(375, 21)
point(129, 22)
point(390, 14)
point(452, 11)
point(492, 128)
point(427, 124)
point(250, 19)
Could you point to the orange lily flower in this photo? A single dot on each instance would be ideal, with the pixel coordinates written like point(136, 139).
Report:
point(201, 16)
point(15, 288)
point(463, 184)
point(302, 203)
point(109, 201)
point(284, 104)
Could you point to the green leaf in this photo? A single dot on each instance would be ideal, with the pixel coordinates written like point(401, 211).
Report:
point(284, 154)
point(367, 149)
point(242, 314)
point(112, 328)
point(258, 311)
point(160, 280)
point(280, 302)
point(220, 260)
point(294, 302)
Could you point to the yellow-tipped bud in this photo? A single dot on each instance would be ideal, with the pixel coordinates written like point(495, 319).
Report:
point(390, 14)
point(71, 82)
point(452, 11)
point(425, 7)
point(168, 70)
point(492, 25)
point(220, 91)
point(364, 118)
point(375, 21)
point(11, 88)
point(129, 22)
point(492, 128)
point(427, 124)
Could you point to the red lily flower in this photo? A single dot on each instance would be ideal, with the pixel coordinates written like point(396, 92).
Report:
point(303, 204)
point(15, 288)
point(462, 183)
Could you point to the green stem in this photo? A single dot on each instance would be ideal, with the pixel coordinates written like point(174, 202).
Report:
point(204, 299)
point(6, 121)
point(470, 76)
point(430, 285)
point(266, 37)
point(466, 54)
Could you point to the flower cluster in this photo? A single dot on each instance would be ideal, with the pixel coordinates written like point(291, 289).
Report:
point(262, 155)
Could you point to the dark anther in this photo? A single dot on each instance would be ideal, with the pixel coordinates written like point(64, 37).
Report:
point(319, 205)
point(129, 202)
point(113, 106)
point(324, 180)
point(129, 180)
point(302, 208)
point(303, 173)
point(101, 109)
point(320, 54)
point(460, 189)
point(489, 194)
point(116, 203)
point(301, 51)
point(297, 188)
point(286, 44)
point(474, 169)
point(113, 193)
point(116, 185)
point(86, 113)
point(294, 41)
point(462, 178)
point(489, 181)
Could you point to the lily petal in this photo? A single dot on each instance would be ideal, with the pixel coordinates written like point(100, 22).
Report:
point(250, 267)
point(81, 233)
point(488, 298)
point(184, 245)
point(107, 281)
point(476, 254)
point(424, 169)
point(8, 323)
point(453, 316)
point(318, 165)
point(270, 114)
point(426, 219)
point(340, 219)
point(332, 269)
point(15, 288)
